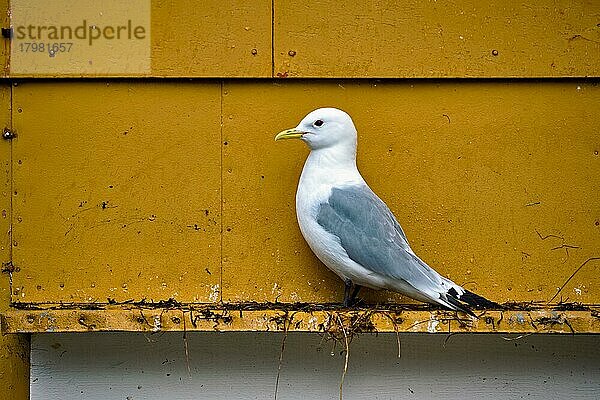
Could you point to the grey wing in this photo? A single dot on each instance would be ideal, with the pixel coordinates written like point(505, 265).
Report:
point(372, 237)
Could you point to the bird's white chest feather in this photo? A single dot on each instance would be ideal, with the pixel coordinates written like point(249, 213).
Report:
point(315, 186)
point(318, 178)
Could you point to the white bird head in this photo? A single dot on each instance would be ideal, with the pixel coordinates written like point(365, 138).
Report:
point(324, 128)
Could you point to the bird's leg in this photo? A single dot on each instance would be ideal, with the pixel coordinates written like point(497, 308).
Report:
point(350, 292)
point(347, 292)
point(354, 293)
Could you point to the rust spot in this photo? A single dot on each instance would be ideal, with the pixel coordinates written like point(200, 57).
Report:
point(8, 267)
point(494, 52)
point(282, 74)
point(291, 53)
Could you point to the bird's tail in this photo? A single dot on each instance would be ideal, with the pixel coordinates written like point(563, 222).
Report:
point(467, 300)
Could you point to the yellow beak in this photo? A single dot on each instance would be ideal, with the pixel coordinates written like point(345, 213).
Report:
point(289, 134)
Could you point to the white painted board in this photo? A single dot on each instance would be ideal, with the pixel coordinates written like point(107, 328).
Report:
point(244, 366)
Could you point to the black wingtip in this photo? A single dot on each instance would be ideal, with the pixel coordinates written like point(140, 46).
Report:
point(477, 301)
point(469, 299)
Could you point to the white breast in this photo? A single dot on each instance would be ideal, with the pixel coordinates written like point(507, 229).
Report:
point(316, 183)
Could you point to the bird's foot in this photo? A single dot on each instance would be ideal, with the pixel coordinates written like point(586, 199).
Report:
point(350, 292)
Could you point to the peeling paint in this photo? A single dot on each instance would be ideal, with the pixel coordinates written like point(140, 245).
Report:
point(518, 318)
point(214, 293)
point(255, 317)
point(51, 324)
point(432, 324)
point(312, 323)
point(275, 288)
point(156, 325)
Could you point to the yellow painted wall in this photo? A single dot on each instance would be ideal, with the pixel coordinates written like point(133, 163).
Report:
point(150, 190)
point(472, 170)
point(121, 189)
point(14, 349)
point(467, 38)
point(118, 192)
point(391, 39)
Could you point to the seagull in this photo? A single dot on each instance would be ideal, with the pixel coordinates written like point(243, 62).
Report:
point(351, 230)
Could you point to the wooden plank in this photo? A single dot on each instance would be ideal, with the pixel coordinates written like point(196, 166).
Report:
point(14, 349)
point(494, 184)
point(335, 321)
point(381, 39)
point(59, 38)
point(116, 192)
point(211, 39)
point(207, 39)
point(482, 367)
point(14, 366)
point(410, 39)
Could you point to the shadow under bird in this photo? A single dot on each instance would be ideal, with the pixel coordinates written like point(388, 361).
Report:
point(351, 230)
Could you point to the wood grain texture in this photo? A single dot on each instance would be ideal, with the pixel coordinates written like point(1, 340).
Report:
point(244, 366)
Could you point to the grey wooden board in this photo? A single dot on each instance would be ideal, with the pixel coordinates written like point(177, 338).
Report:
point(244, 366)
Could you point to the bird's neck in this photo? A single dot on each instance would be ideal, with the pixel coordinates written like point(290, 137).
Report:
point(332, 165)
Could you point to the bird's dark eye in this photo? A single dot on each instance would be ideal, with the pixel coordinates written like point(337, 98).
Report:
point(318, 122)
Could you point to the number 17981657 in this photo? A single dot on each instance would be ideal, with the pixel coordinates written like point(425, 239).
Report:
point(42, 47)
